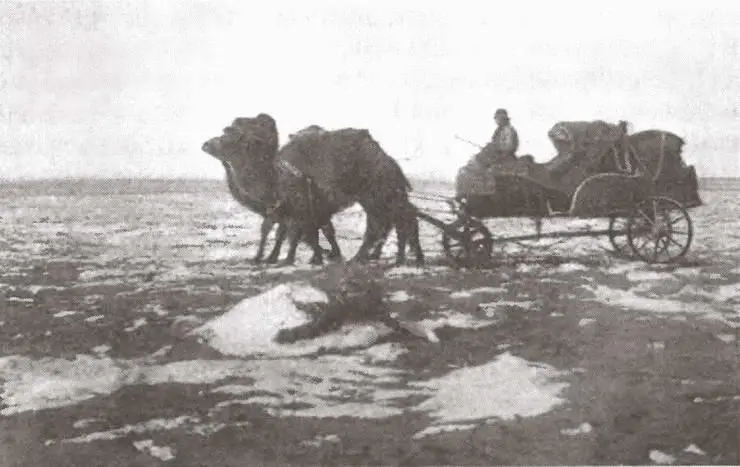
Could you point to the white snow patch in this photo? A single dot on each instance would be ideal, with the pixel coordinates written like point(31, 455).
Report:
point(177, 274)
point(478, 290)
point(101, 349)
point(402, 271)
point(94, 318)
point(661, 458)
point(190, 423)
point(328, 386)
point(92, 299)
point(694, 449)
point(571, 267)
point(387, 352)
point(62, 314)
point(251, 326)
point(85, 422)
point(657, 345)
point(640, 276)
point(583, 428)
point(692, 291)
point(622, 268)
point(35, 289)
point(233, 389)
point(629, 300)
point(139, 322)
point(726, 338)
point(302, 293)
point(494, 309)
point(93, 275)
point(551, 280)
point(728, 293)
point(164, 453)
point(19, 300)
point(505, 388)
point(418, 329)
point(525, 268)
point(331, 386)
point(586, 321)
point(50, 383)
point(319, 440)
point(688, 272)
point(437, 429)
point(454, 319)
point(324, 386)
point(400, 296)
point(155, 308)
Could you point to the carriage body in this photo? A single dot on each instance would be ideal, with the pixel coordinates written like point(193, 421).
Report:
point(639, 181)
point(598, 170)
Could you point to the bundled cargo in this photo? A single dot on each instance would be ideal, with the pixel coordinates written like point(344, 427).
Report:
point(581, 144)
point(475, 179)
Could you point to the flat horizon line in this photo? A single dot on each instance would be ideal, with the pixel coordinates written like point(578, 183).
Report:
point(203, 179)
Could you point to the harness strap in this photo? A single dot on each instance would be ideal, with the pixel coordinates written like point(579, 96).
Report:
point(293, 170)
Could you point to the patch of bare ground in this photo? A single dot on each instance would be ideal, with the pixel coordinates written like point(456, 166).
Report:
point(637, 381)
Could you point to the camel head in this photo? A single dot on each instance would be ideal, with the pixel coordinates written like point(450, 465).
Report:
point(245, 140)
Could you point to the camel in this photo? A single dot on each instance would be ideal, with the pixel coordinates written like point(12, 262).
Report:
point(259, 197)
point(319, 174)
point(379, 230)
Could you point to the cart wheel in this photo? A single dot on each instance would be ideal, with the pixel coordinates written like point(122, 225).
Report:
point(618, 235)
point(659, 230)
point(467, 242)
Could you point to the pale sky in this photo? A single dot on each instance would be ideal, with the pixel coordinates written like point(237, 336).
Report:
point(133, 88)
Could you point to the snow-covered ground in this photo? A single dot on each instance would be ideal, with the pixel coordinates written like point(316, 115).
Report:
point(69, 258)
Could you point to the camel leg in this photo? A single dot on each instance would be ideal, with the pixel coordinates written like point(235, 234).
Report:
point(401, 239)
point(368, 240)
point(295, 233)
point(282, 230)
point(330, 234)
point(378, 245)
point(312, 238)
point(414, 241)
point(265, 229)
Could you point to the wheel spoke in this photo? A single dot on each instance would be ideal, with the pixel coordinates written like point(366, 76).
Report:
point(667, 247)
point(652, 236)
point(676, 220)
point(672, 240)
point(655, 248)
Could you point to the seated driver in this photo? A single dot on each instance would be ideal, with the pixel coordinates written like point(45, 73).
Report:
point(505, 139)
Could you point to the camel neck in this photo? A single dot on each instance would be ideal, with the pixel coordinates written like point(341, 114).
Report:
point(252, 186)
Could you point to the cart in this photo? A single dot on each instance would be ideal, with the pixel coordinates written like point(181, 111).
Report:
point(638, 182)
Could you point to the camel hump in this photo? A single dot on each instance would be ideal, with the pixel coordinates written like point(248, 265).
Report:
point(309, 130)
point(387, 162)
point(346, 164)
